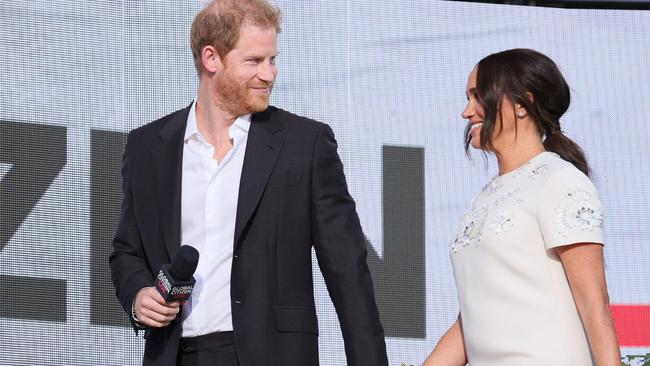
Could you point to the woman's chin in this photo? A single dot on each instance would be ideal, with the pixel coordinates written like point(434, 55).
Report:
point(475, 143)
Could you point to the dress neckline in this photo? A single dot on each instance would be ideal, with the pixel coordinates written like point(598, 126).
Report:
point(525, 164)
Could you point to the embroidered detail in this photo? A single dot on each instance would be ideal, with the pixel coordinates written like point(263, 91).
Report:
point(535, 171)
point(471, 229)
point(580, 211)
point(502, 222)
point(493, 186)
point(532, 169)
point(512, 195)
point(529, 169)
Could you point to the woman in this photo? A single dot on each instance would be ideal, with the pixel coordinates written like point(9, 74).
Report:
point(528, 257)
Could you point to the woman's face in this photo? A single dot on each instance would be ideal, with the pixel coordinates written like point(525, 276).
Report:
point(504, 131)
point(473, 112)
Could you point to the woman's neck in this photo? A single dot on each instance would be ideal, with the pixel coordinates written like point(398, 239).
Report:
point(518, 154)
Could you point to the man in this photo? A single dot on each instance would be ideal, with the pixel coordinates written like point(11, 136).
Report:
point(252, 187)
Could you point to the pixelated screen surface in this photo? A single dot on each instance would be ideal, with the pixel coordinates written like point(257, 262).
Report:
point(388, 76)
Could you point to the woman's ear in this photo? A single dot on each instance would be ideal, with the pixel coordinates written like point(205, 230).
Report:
point(520, 111)
point(530, 96)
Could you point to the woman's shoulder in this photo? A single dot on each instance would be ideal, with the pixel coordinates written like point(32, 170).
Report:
point(561, 178)
point(543, 167)
point(568, 207)
point(561, 171)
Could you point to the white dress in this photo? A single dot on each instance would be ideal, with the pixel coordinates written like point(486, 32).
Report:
point(515, 302)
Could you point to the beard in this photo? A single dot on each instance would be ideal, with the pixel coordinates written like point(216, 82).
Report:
point(239, 99)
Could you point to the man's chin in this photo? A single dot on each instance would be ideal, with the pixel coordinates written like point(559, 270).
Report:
point(258, 105)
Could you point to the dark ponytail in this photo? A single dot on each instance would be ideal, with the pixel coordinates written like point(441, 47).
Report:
point(568, 150)
point(520, 74)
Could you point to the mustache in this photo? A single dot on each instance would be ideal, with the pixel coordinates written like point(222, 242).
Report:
point(260, 84)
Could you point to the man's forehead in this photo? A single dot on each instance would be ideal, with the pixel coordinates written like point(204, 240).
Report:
point(256, 37)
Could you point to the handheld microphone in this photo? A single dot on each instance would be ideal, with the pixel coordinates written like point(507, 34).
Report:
point(175, 281)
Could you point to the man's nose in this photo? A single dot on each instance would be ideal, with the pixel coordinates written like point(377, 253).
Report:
point(266, 72)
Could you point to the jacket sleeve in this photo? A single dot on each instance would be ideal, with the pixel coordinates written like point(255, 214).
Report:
point(129, 270)
point(341, 251)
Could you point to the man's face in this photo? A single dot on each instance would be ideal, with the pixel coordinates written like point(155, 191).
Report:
point(249, 71)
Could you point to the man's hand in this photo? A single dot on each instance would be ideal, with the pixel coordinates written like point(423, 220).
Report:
point(151, 310)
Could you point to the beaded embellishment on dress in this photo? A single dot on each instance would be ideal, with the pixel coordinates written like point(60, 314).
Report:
point(471, 229)
point(581, 212)
point(502, 222)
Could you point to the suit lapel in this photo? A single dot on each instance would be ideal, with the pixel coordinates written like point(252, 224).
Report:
point(262, 151)
point(168, 165)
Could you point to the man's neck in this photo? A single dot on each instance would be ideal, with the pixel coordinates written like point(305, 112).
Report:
point(211, 121)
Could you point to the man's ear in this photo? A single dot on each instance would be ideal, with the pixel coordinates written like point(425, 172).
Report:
point(211, 60)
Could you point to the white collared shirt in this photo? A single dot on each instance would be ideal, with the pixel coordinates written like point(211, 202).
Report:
point(210, 191)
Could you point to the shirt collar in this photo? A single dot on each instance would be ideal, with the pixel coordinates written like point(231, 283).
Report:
point(242, 122)
point(191, 129)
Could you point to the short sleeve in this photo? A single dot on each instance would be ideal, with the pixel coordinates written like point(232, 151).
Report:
point(569, 210)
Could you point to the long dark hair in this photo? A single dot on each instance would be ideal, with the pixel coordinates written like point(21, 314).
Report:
point(532, 80)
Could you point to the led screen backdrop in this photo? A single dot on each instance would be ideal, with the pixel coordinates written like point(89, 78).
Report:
point(388, 76)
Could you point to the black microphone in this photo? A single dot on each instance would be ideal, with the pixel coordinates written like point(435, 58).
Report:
point(175, 281)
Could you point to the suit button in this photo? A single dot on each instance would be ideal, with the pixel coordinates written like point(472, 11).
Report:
point(236, 256)
point(184, 345)
point(238, 302)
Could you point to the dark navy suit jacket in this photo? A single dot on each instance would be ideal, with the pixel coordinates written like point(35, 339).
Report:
point(293, 196)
